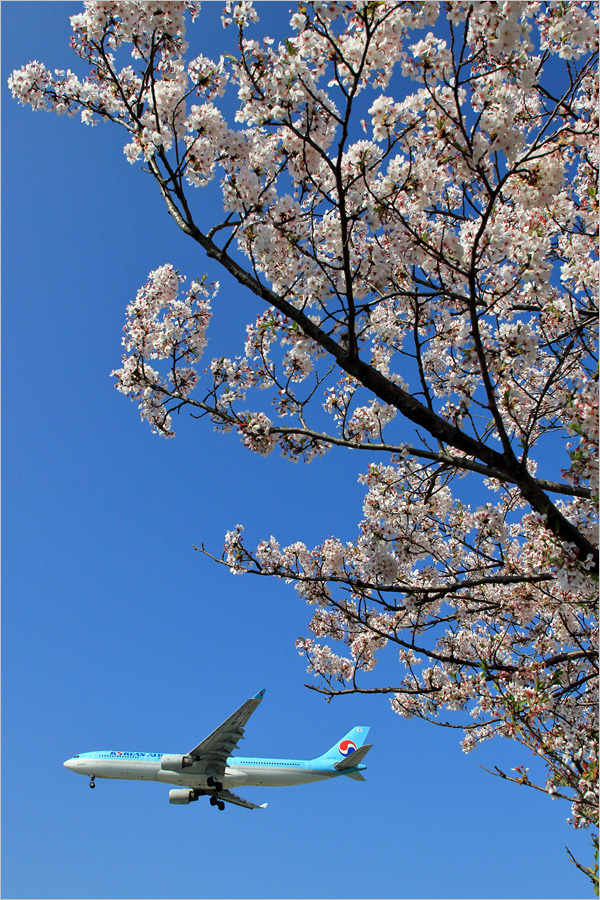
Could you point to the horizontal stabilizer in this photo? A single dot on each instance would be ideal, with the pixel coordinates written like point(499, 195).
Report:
point(356, 775)
point(349, 762)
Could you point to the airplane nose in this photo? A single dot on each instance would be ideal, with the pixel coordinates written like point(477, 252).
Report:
point(69, 764)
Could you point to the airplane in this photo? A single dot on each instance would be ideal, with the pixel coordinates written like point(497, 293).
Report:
point(210, 770)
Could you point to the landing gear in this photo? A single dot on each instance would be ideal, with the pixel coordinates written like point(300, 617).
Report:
point(213, 783)
point(92, 785)
point(216, 786)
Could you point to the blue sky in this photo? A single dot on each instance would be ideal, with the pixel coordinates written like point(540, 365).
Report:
point(118, 635)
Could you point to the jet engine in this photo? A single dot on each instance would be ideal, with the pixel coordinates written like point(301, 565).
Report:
point(172, 762)
point(182, 797)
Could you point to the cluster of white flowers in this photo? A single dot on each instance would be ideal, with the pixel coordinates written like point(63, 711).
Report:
point(256, 432)
point(162, 325)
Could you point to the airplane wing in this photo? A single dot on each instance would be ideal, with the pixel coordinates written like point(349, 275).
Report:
point(239, 801)
point(214, 750)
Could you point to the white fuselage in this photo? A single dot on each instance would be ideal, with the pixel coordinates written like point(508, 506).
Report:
point(239, 770)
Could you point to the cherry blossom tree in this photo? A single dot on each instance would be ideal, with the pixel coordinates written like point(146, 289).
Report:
point(410, 193)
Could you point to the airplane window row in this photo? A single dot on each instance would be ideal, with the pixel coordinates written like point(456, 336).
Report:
point(264, 762)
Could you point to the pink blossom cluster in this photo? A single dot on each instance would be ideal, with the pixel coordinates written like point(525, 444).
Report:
point(152, 109)
point(501, 630)
point(583, 421)
point(162, 325)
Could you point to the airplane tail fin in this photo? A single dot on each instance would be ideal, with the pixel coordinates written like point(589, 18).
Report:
point(343, 749)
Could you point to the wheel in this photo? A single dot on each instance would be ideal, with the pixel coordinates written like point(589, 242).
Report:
point(92, 785)
point(221, 805)
point(213, 801)
point(213, 783)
